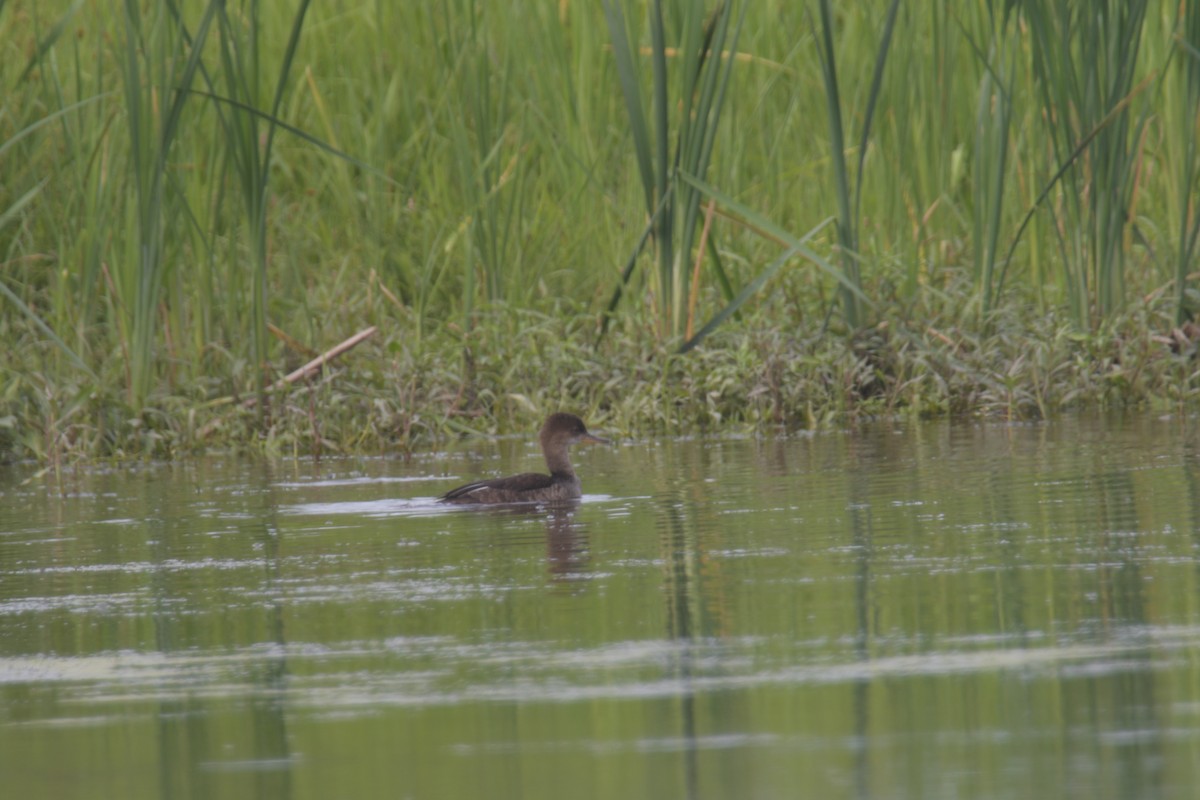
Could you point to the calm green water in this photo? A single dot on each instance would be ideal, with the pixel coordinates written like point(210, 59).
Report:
point(945, 611)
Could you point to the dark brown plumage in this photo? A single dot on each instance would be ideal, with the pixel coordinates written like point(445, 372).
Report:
point(557, 435)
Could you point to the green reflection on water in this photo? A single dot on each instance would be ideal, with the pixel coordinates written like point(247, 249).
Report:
point(935, 611)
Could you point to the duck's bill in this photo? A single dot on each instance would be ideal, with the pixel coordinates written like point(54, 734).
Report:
point(590, 437)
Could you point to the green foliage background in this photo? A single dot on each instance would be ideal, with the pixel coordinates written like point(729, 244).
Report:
point(178, 180)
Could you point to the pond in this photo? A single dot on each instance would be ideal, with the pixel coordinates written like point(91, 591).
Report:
point(942, 610)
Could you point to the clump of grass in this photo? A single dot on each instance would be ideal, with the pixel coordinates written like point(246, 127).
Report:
point(1183, 120)
point(694, 96)
point(158, 66)
point(849, 200)
point(994, 117)
point(1085, 58)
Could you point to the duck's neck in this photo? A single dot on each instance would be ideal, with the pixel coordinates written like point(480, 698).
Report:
point(557, 461)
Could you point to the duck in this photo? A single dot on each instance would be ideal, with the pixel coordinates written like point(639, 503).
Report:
point(560, 431)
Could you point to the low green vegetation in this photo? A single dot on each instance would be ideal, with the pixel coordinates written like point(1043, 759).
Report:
point(670, 217)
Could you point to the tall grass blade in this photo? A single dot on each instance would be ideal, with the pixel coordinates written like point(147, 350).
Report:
point(281, 124)
point(849, 199)
point(660, 109)
point(885, 43)
point(46, 330)
point(11, 213)
point(841, 178)
point(697, 153)
point(1188, 176)
point(285, 69)
point(46, 120)
point(1084, 60)
point(627, 75)
point(752, 288)
point(48, 41)
point(795, 246)
point(1064, 168)
point(6, 217)
point(240, 58)
point(993, 121)
point(152, 132)
point(701, 77)
point(768, 229)
point(488, 147)
point(631, 264)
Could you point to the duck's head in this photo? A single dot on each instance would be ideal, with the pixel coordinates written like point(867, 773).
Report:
point(562, 430)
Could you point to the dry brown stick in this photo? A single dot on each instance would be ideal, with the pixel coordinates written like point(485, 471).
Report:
point(324, 358)
point(303, 372)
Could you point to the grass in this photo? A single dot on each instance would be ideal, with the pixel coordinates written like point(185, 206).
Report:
point(1085, 63)
point(849, 200)
point(993, 129)
point(1182, 92)
point(197, 196)
point(701, 77)
point(392, 394)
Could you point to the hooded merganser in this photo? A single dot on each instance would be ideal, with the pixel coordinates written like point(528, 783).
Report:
point(559, 433)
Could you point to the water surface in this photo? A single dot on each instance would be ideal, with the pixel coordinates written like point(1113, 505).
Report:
point(936, 611)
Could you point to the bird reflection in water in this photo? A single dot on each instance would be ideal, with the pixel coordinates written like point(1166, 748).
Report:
point(567, 553)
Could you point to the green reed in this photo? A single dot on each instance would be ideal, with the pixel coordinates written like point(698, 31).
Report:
point(170, 190)
point(249, 125)
point(1084, 59)
point(486, 155)
point(849, 198)
point(11, 214)
point(684, 110)
point(157, 69)
point(1183, 111)
point(993, 126)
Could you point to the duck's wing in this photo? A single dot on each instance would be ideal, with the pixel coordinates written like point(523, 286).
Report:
point(482, 491)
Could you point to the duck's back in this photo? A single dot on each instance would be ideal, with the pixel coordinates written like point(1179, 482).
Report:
point(528, 487)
